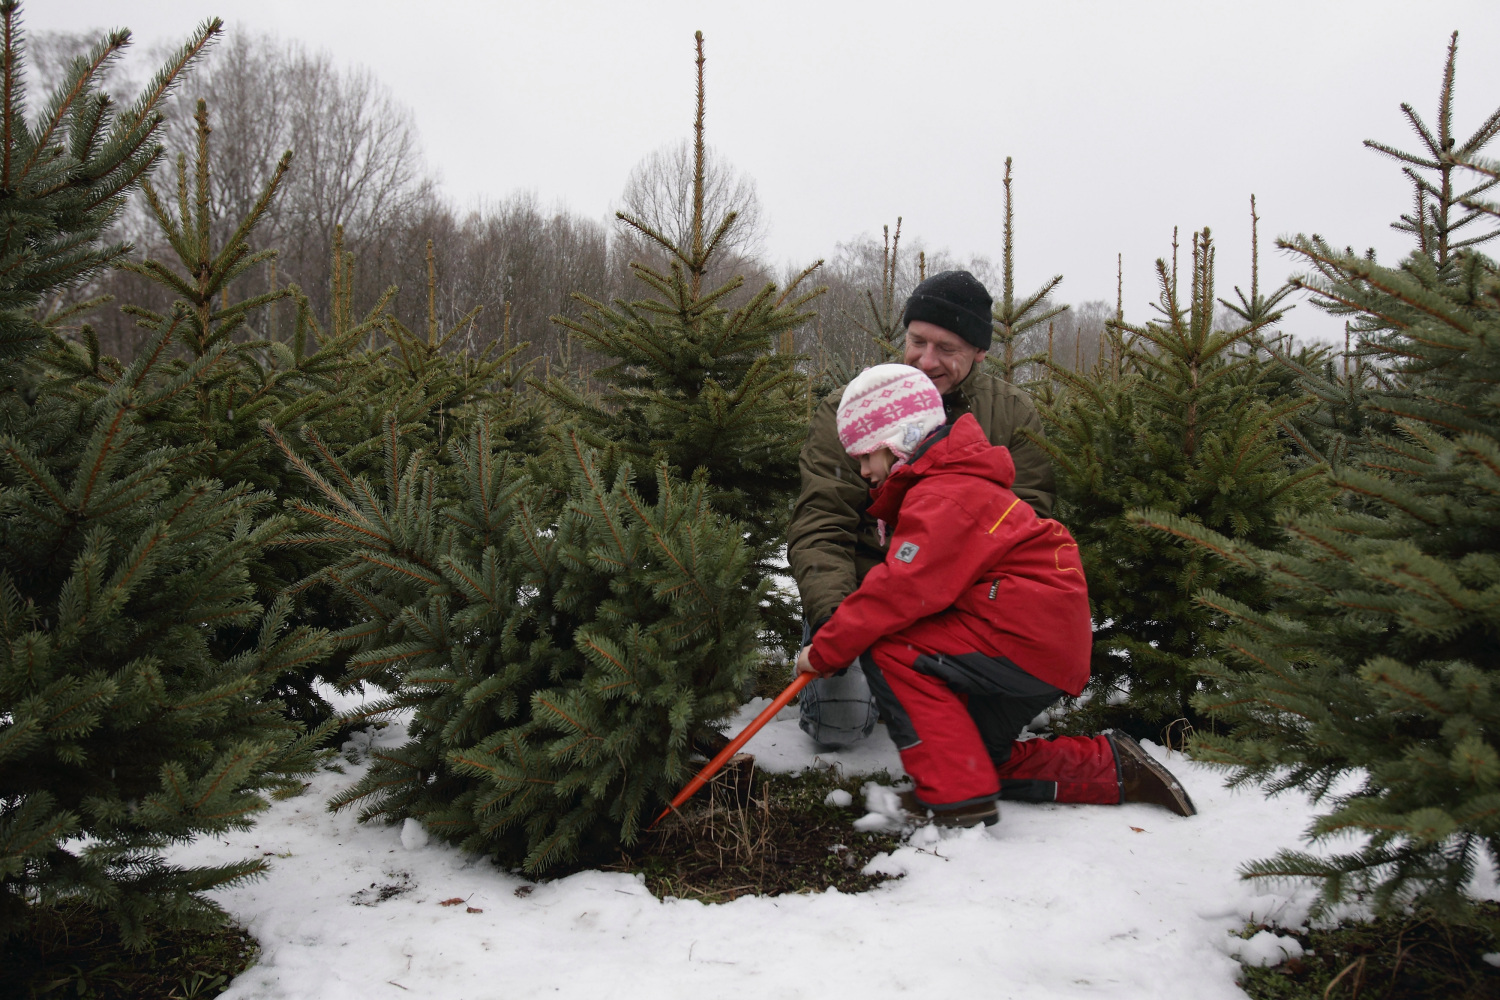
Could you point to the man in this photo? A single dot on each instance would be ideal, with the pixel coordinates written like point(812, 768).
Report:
point(832, 542)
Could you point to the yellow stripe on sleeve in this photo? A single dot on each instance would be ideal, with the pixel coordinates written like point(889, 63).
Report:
point(1003, 516)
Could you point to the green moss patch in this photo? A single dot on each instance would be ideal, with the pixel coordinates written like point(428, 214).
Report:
point(1411, 959)
point(73, 952)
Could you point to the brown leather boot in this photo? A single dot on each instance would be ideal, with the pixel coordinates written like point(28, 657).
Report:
point(1142, 779)
point(972, 814)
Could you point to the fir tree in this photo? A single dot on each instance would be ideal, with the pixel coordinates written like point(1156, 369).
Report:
point(255, 377)
point(1334, 422)
point(327, 373)
point(333, 373)
point(1175, 418)
point(1443, 211)
point(698, 384)
point(437, 390)
point(1377, 660)
point(65, 176)
point(316, 374)
point(125, 725)
point(1011, 318)
point(558, 657)
point(882, 322)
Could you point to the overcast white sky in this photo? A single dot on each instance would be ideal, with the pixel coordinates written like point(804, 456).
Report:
point(1124, 119)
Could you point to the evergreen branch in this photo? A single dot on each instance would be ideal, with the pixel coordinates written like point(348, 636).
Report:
point(84, 70)
point(240, 237)
point(32, 468)
point(1397, 154)
point(401, 566)
point(312, 476)
point(596, 489)
point(10, 100)
point(168, 77)
point(795, 283)
point(103, 450)
point(1201, 537)
point(655, 237)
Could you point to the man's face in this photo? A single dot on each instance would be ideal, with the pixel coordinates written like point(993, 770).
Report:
point(942, 355)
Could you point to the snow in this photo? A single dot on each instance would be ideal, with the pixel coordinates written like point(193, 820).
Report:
point(839, 799)
point(1265, 948)
point(883, 812)
point(1054, 902)
point(782, 747)
point(413, 836)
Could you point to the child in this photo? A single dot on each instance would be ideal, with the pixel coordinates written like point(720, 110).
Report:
point(977, 620)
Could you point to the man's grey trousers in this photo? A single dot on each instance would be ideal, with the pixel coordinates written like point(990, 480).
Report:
point(838, 710)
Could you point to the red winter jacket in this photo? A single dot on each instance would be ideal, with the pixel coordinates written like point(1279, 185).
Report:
point(971, 568)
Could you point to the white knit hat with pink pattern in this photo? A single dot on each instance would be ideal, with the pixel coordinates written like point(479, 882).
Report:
point(888, 406)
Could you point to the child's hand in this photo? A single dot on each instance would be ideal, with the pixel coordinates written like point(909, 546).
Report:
point(804, 662)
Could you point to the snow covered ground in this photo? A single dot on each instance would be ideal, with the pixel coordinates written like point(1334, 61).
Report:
point(1056, 901)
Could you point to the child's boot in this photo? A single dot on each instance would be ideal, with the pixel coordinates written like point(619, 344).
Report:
point(967, 815)
point(1142, 779)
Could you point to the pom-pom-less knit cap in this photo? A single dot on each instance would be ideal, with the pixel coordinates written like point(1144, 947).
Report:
point(890, 406)
point(956, 301)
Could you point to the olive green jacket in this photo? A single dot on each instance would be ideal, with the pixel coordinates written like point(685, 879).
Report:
point(832, 543)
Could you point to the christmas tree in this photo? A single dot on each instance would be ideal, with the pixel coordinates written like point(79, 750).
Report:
point(252, 376)
point(1376, 661)
point(1012, 319)
point(699, 384)
point(127, 720)
point(1174, 417)
point(882, 320)
point(558, 656)
point(326, 373)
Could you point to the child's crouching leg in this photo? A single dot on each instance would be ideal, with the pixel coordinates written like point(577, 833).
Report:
point(939, 743)
point(1062, 769)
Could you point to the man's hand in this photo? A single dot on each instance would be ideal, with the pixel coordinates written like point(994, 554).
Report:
point(804, 662)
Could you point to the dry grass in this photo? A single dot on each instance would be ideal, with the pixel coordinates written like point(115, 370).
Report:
point(776, 836)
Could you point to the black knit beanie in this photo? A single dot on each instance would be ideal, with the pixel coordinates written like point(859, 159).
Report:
point(955, 301)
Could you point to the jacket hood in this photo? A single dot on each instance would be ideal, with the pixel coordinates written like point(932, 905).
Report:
point(959, 448)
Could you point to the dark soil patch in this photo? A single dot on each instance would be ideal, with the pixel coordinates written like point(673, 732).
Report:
point(1392, 959)
point(378, 893)
point(783, 839)
point(73, 952)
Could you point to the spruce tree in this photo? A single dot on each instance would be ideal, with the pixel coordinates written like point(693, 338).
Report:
point(342, 373)
point(882, 321)
point(327, 373)
point(254, 376)
point(1371, 680)
point(1012, 319)
point(1174, 417)
point(126, 722)
point(437, 389)
point(699, 384)
point(65, 176)
point(557, 656)
point(315, 374)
